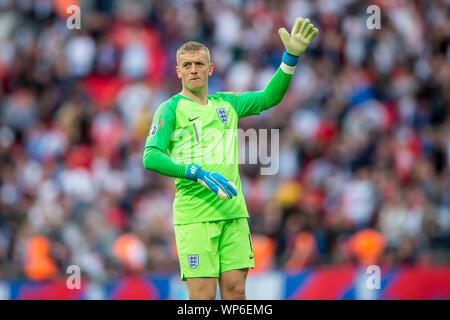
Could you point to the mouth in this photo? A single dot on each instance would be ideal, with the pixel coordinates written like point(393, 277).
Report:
point(197, 78)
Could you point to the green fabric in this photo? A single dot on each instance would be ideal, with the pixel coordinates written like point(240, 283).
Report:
point(253, 103)
point(206, 135)
point(207, 249)
point(164, 123)
point(156, 160)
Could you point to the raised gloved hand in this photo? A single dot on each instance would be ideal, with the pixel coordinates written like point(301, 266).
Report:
point(303, 32)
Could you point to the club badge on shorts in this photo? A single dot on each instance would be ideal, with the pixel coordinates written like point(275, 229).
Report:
point(222, 113)
point(193, 261)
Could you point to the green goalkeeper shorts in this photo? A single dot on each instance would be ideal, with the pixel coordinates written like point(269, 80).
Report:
point(207, 249)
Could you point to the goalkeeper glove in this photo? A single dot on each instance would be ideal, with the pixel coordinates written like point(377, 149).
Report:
point(215, 182)
point(303, 32)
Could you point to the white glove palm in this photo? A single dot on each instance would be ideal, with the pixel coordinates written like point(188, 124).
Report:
point(303, 32)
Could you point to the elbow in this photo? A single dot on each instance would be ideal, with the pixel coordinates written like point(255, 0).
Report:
point(277, 102)
point(147, 160)
point(146, 163)
point(273, 100)
point(149, 164)
point(273, 103)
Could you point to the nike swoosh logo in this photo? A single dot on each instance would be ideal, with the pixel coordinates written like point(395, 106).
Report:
point(193, 119)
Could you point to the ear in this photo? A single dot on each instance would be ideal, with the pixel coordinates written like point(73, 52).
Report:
point(178, 72)
point(211, 69)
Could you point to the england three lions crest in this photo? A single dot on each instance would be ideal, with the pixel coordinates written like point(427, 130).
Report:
point(222, 113)
point(193, 261)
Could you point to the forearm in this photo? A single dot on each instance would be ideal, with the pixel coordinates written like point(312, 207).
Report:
point(275, 90)
point(156, 160)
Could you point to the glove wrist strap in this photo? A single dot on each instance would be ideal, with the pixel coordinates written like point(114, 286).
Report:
point(192, 172)
point(289, 59)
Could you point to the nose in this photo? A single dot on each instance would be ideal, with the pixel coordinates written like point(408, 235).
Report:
point(193, 69)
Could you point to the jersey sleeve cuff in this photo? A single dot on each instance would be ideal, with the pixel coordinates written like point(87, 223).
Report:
point(287, 69)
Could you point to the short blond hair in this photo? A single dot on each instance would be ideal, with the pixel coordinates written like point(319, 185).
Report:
point(193, 46)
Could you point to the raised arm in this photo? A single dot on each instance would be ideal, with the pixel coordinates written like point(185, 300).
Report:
point(251, 103)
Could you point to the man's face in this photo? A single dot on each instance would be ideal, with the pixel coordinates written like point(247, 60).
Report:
point(194, 69)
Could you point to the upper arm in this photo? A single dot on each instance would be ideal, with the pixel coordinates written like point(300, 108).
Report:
point(251, 103)
point(162, 126)
point(245, 104)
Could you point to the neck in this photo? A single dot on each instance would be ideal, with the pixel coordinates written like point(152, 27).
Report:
point(199, 96)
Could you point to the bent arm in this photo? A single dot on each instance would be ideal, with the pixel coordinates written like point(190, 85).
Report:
point(275, 90)
point(253, 103)
point(155, 160)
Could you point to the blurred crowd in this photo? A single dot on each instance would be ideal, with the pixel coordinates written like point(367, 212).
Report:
point(364, 159)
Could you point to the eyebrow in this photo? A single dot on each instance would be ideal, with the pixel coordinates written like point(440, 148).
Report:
point(190, 62)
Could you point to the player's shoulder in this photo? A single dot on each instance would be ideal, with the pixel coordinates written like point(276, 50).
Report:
point(225, 95)
point(170, 103)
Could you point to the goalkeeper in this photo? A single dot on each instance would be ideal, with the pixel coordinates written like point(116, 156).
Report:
point(210, 215)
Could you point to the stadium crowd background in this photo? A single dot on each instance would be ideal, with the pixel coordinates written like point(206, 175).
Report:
point(364, 164)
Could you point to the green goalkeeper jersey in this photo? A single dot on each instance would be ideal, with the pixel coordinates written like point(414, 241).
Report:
point(206, 135)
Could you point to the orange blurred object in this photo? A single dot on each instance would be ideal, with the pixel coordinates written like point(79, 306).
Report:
point(38, 263)
point(304, 252)
point(263, 253)
point(367, 246)
point(130, 250)
point(61, 6)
